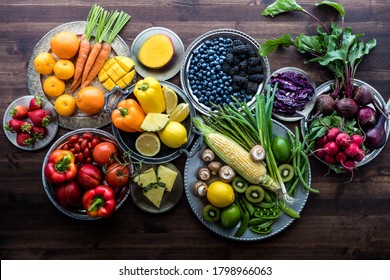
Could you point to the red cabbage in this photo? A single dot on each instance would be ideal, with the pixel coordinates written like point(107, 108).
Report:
point(293, 93)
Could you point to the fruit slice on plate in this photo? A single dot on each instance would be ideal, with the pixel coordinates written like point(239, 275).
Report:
point(166, 176)
point(180, 113)
point(148, 144)
point(151, 188)
point(156, 52)
point(171, 99)
point(154, 122)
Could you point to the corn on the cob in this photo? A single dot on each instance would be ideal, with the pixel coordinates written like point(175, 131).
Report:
point(236, 157)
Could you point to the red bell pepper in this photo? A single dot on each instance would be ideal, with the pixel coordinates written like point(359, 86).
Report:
point(99, 202)
point(60, 167)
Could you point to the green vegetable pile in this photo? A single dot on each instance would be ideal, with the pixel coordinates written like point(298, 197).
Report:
point(338, 49)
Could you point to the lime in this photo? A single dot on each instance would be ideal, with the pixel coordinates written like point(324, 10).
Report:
point(230, 216)
point(220, 194)
point(173, 135)
point(170, 99)
point(148, 144)
point(281, 149)
point(180, 113)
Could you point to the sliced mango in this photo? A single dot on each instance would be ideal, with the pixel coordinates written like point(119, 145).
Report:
point(117, 71)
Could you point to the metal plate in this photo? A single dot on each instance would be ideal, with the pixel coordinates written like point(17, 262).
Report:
point(169, 200)
point(51, 128)
point(174, 65)
point(197, 204)
point(226, 33)
point(35, 80)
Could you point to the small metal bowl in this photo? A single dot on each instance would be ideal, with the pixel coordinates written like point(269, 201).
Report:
point(309, 105)
point(225, 33)
point(79, 213)
point(127, 139)
point(326, 88)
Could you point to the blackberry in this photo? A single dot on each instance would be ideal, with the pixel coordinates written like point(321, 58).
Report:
point(234, 70)
point(252, 88)
point(254, 61)
point(241, 49)
point(241, 81)
point(244, 64)
point(229, 58)
point(237, 42)
point(254, 69)
point(258, 78)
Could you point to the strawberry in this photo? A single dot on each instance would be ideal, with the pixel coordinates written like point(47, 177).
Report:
point(36, 103)
point(19, 112)
point(24, 139)
point(15, 125)
point(38, 132)
point(39, 117)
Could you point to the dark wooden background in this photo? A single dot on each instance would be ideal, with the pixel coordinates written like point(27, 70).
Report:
point(344, 221)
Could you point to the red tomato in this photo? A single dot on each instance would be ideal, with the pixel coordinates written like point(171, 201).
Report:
point(104, 153)
point(117, 175)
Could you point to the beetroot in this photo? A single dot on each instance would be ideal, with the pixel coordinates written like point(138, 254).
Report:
point(347, 107)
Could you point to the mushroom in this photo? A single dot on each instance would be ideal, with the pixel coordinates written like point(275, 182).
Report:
point(208, 155)
point(200, 188)
point(214, 167)
point(257, 153)
point(226, 174)
point(204, 174)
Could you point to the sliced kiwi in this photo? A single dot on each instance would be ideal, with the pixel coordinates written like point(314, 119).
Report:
point(286, 171)
point(211, 213)
point(239, 184)
point(254, 194)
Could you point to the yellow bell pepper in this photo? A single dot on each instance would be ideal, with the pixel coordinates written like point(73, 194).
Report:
point(128, 116)
point(150, 95)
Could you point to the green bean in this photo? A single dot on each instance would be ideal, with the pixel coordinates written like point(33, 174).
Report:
point(243, 226)
point(256, 221)
point(288, 210)
point(249, 207)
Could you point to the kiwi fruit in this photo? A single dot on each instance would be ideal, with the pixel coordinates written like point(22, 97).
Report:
point(254, 194)
point(211, 213)
point(286, 171)
point(239, 184)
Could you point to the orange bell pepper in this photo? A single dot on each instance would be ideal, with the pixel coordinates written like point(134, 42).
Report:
point(128, 116)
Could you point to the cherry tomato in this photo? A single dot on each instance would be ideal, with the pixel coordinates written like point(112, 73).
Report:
point(281, 149)
point(104, 153)
point(117, 175)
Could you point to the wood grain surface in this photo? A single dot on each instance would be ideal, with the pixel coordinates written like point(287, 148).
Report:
point(344, 221)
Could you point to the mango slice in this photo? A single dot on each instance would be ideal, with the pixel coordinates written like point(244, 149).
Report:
point(156, 52)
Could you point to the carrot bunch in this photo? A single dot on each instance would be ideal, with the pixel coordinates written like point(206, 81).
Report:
point(91, 58)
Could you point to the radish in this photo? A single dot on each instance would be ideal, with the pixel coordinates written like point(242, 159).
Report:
point(332, 133)
point(358, 139)
point(359, 156)
point(329, 159)
point(341, 157)
point(320, 153)
point(322, 141)
point(351, 150)
point(343, 140)
point(331, 148)
point(349, 165)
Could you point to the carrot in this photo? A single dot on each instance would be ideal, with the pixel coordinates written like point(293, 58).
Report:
point(85, 46)
point(105, 51)
point(97, 46)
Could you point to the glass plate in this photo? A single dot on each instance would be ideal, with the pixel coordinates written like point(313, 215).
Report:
point(197, 204)
point(172, 68)
point(34, 79)
point(51, 128)
point(169, 200)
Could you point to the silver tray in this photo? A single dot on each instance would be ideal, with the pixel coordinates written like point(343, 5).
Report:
point(34, 79)
point(197, 204)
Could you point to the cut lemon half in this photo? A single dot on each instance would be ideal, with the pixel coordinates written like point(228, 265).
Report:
point(148, 144)
point(180, 113)
point(171, 99)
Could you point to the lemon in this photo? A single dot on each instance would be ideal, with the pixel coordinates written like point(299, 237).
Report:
point(148, 144)
point(173, 135)
point(180, 113)
point(171, 99)
point(220, 194)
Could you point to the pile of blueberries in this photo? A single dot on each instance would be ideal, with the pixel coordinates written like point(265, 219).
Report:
point(224, 69)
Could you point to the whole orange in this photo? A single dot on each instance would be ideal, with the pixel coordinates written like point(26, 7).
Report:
point(44, 63)
point(64, 69)
point(65, 105)
point(90, 100)
point(53, 86)
point(64, 44)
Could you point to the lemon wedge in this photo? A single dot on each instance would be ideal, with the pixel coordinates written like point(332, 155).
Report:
point(171, 99)
point(180, 113)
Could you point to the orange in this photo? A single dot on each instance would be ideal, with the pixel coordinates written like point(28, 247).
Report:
point(65, 105)
point(65, 44)
point(64, 69)
point(53, 86)
point(44, 63)
point(90, 100)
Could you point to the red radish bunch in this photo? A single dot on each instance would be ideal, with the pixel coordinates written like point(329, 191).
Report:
point(339, 147)
point(30, 123)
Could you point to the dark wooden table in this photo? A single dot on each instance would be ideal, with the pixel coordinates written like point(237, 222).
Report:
point(344, 221)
